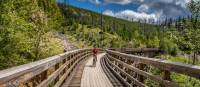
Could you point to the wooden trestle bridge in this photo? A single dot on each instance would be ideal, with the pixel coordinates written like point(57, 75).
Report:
point(115, 68)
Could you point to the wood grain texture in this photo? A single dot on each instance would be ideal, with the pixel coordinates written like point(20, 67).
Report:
point(145, 74)
point(74, 80)
point(19, 75)
point(94, 76)
point(190, 70)
point(132, 69)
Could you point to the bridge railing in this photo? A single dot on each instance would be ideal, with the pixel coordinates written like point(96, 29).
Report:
point(136, 50)
point(150, 52)
point(47, 72)
point(133, 70)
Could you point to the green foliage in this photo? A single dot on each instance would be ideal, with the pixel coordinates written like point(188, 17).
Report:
point(194, 7)
point(169, 46)
point(184, 80)
point(25, 32)
point(93, 37)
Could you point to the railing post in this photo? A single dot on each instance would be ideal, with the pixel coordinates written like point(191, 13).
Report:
point(34, 84)
point(140, 77)
point(44, 75)
point(57, 67)
point(166, 76)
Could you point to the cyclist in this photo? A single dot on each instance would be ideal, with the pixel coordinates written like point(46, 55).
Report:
point(95, 52)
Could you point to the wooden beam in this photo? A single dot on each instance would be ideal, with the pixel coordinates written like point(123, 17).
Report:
point(190, 70)
point(145, 74)
point(20, 74)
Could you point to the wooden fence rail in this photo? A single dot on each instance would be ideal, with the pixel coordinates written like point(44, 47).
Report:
point(137, 50)
point(47, 72)
point(133, 69)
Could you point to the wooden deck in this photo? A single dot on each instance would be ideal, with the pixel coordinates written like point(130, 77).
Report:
point(75, 79)
point(94, 76)
point(86, 75)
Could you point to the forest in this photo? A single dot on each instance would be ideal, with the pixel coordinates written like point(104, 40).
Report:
point(28, 30)
point(178, 36)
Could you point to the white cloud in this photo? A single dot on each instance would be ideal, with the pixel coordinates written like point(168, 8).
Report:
point(182, 3)
point(135, 16)
point(143, 8)
point(148, 8)
point(108, 12)
point(95, 2)
point(92, 1)
point(122, 2)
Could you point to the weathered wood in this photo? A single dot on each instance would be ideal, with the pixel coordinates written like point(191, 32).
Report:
point(140, 77)
point(51, 77)
point(75, 78)
point(166, 75)
point(21, 74)
point(190, 70)
point(122, 63)
point(128, 76)
point(130, 68)
point(56, 68)
point(94, 76)
point(114, 79)
point(145, 74)
point(137, 50)
point(56, 73)
point(58, 84)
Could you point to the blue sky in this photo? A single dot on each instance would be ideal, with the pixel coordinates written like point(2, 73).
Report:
point(94, 6)
point(136, 9)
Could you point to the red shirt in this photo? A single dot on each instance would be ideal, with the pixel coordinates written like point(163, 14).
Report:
point(95, 51)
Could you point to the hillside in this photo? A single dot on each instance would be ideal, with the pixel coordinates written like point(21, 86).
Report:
point(121, 33)
point(89, 29)
point(106, 24)
point(29, 28)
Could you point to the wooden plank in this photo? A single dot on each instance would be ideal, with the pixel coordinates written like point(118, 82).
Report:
point(56, 73)
point(190, 70)
point(135, 50)
point(94, 76)
point(116, 73)
point(112, 77)
point(9, 74)
point(75, 80)
point(143, 73)
point(128, 76)
point(112, 74)
point(17, 75)
point(70, 70)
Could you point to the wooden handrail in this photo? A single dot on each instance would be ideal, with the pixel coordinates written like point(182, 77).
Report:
point(42, 73)
point(135, 50)
point(130, 64)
